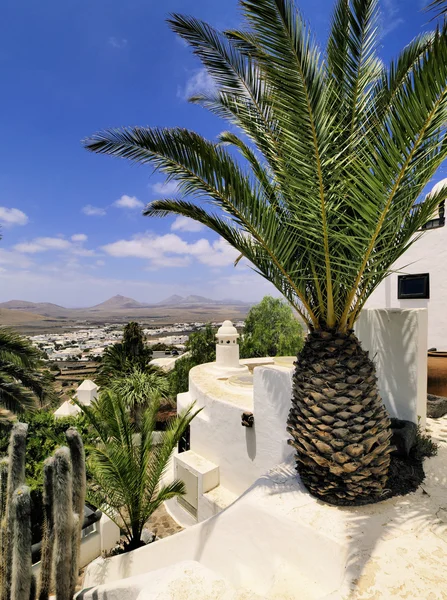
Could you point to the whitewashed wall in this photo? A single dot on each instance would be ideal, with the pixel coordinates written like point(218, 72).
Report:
point(106, 537)
point(427, 255)
point(397, 342)
point(241, 453)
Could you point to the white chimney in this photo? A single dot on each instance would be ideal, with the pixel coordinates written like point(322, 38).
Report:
point(227, 348)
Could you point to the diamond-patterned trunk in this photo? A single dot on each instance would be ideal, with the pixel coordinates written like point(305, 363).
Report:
point(338, 423)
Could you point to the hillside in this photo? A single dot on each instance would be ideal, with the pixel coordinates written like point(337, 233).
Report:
point(12, 318)
point(46, 309)
point(117, 302)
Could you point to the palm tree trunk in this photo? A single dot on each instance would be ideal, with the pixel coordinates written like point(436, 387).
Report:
point(339, 425)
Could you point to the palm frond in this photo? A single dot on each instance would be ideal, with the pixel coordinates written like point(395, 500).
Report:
point(334, 149)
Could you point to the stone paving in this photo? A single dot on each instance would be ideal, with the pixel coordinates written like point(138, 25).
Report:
point(162, 524)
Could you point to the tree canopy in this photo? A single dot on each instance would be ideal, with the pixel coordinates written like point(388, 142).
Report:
point(271, 329)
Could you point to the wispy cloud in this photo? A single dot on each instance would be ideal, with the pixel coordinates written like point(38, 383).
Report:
point(73, 246)
point(42, 244)
point(93, 211)
point(129, 202)
point(198, 83)
point(12, 216)
point(15, 259)
point(164, 189)
point(79, 237)
point(390, 17)
point(117, 42)
point(167, 250)
point(184, 224)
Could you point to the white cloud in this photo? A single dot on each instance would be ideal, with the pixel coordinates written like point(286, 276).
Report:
point(162, 250)
point(100, 263)
point(164, 189)
point(117, 42)
point(199, 83)
point(42, 245)
point(46, 244)
point(184, 224)
point(17, 260)
point(93, 211)
point(12, 216)
point(130, 202)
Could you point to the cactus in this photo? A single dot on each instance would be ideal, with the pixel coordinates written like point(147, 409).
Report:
point(64, 495)
point(21, 574)
point(63, 522)
point(79, 488)
point(3, 486)
point(46, 557)
point(16, 478)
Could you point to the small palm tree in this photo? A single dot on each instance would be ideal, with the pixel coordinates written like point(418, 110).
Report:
point(139, 389)
point(127, 468)
point(335, 151)
point(22, 384)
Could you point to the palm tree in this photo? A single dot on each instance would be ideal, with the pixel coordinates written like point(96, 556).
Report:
point(122, 358)
point(22, 384)
point(127, 469)
point(139, 389)
point(336, 149)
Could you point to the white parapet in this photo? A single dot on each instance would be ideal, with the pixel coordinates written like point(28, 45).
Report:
point(397, 342)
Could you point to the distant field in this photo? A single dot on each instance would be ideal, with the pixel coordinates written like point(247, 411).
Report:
point(34, 324)
point(11, 317)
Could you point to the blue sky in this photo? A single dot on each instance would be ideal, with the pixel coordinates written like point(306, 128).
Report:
point(71, 221)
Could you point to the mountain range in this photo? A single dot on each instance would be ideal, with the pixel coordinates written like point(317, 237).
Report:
point(117, 303)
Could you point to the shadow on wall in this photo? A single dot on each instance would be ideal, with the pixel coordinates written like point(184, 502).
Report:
point(393, 342)
point(250, 440)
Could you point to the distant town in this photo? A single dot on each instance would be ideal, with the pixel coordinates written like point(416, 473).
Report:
point(87, 344)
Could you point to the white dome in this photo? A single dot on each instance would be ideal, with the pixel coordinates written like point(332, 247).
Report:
point(227, 329)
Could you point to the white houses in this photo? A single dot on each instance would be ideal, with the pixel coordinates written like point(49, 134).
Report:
point(420, 279)
point(85, 394)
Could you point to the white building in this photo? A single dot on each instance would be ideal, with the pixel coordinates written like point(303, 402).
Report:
point(420, 279)
point(274, 540)
point(241, 431)
point(85, 394)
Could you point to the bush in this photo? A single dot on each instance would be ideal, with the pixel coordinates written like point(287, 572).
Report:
point(271, 329)
point(425, 447)
point(202, 349)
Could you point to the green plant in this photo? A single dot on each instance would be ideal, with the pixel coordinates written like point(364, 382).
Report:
point(121, 359)
point(424, 447)
point(271, 329)
point(201, 348)
point(127, 469)
point(139, 388)
point(336, 150)
point(22, 383)
point(17, 580)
